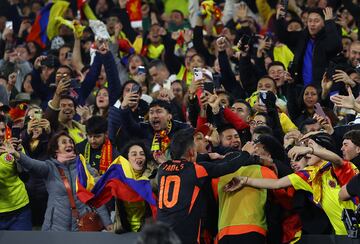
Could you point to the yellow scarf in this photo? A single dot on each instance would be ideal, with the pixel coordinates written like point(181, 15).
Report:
point(161, 140)
point(315, 178)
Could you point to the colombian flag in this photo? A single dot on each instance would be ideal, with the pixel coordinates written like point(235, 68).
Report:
point(38, 30)
point(119, 181)
point(46, 25)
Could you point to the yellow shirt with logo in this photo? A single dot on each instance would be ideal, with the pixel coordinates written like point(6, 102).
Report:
point(77, 132)
point(330, 187)
point(13, 194)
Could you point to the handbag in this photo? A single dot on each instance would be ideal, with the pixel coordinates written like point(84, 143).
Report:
point(88, 222)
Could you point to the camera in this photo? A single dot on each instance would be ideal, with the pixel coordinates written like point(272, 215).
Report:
point(351, 220)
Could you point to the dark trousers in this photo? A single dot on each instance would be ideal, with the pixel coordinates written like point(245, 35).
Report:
point(248, 238)
point(19, 220)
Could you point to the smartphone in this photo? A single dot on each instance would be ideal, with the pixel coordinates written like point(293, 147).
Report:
point(262, 97)
point(9, 24)
point(141, 70)
point(37, 114)
point(318, 110)
point(245, 40)
point(15, 132)
point(217, 81)
point(68, 55)
point(285, 4)
point(209, 86)
point(329, 73)
point(198, 75)
point(135, 88)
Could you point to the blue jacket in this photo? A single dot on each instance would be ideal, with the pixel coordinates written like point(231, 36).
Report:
point(46, 91)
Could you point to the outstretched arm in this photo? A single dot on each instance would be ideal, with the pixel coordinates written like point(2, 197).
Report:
point(239, 182)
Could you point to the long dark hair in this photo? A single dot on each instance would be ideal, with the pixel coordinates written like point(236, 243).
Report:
point(96, 108)
point(126, 149)
point(53, 145)
point(301, 102)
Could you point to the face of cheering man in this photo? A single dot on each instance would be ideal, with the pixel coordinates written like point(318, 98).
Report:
point(315, 23)
point(230, 138)
point(96, 140)
point(67, 110)
point(349, 150)
point(159, 118)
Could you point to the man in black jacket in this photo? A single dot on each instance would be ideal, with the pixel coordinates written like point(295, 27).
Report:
point(315, 45)
point(157, 132)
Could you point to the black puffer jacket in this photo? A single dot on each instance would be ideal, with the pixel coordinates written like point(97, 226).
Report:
point(327, 45)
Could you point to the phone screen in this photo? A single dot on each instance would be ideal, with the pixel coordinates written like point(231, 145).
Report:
point(209, 86)
point(135, 88)
point(15, 132)
point(9, 24)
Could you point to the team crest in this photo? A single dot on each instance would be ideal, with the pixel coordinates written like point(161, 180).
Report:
point(9, 158)
point(332, 183)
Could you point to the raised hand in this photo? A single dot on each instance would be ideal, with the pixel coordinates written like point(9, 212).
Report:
point(328, 13)
point(166, 95)
point(280, 11)
point(325, 123)
point(122, 3)
point(188, 35)
point(249, 147)
point(326, 84)
point(130, 100)
point(242, 11)
point(37, 63)
point(344, 101)
point(62, 87)
point(45, 124)
point(84, 112)
point(222, 43)
point(341, 76)
point(297, 151)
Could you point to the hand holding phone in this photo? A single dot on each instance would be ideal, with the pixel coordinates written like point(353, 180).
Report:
point(15, 132)
point(141, 70)
point(318, 110)
point(262, 97)
point(9, 25)
point(244, 41)
point(198, 74)
point(135, 88)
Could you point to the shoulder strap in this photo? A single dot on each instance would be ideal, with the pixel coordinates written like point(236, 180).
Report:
point(74, 211)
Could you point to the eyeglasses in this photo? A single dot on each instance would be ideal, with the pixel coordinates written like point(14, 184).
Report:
point(253, 122)
point(62, 75)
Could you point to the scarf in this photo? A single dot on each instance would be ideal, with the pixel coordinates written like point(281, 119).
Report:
point(106, 155)
point(64, 157)
point(315, 179)
point(161, 140)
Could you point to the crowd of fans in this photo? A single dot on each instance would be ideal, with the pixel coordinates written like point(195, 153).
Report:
point(243, 115)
